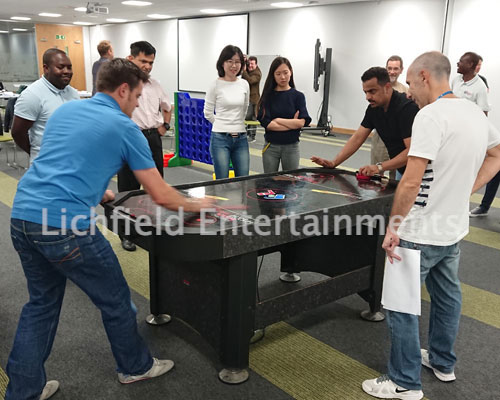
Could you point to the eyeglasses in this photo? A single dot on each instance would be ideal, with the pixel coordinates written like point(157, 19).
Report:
point(232, 62)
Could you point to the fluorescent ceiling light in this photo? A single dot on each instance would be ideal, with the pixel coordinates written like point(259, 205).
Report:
point(19, 29)
point(82, 23)
point(136, 3)
point(286, 4)
point(81, 9)
point(4, 31)
point(213, 11)
point(159, 16)
point(44, 14)
point(20, 18)
point(116, 20)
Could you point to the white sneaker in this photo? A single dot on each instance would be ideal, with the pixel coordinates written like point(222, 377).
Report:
point(442, 376)
point(383, 388)
point(159, 367)
point(49, 389)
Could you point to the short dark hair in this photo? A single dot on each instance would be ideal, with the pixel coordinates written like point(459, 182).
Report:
point(142, 47)
point(473, 57)
point(226, 54)
point(118, 71)
point(395, 58)
point(376, 72)
point(253, 58)
point(50, 54)
point(103, 47)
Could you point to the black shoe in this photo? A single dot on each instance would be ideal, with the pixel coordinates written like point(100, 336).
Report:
point(128, 245)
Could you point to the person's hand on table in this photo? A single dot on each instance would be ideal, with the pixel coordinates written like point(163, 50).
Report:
point(322, 162)
point(196, 205)
point(108, 196)
point(369, 170)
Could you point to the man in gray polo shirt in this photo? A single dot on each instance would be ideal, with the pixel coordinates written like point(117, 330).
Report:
point(37, 103)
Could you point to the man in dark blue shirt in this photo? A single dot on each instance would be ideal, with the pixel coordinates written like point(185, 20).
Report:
point(106, 52)
point(391, 113)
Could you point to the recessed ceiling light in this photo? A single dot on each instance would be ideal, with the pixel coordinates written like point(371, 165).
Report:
point(213, 11)
point(159, 16)
point(81, 9)
point(116, 20)
point(136, 3)
point(4, 31)
point(82, 23)
point(19, 29)
point(286, 4)
point(20, 18)
point(44, 14)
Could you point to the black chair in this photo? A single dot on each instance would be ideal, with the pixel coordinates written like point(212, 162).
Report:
point(9, 114)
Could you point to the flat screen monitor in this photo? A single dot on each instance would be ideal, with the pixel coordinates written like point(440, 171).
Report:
point(319, 65)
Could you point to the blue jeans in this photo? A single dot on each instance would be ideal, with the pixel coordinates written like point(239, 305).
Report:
point(439, 270)
point(89, 261)
point(225, 148)
point(491, 191)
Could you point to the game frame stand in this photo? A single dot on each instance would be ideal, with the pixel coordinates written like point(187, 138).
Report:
point(209, 281)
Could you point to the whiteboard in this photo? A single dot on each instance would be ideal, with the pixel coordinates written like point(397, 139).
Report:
point(200, 42)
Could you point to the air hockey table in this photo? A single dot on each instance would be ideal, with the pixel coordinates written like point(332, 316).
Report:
point(203, 268)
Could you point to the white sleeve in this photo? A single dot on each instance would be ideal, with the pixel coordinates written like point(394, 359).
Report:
point(209, 108)
point(28, 106)
point(493, 136)
point(165, 101)
point(482, 99)
point(426, 137)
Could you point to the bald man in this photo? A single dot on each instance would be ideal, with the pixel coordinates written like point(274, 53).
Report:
point(37, 103)
point(433, 213)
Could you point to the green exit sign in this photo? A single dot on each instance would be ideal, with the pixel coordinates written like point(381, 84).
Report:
point(61, 37)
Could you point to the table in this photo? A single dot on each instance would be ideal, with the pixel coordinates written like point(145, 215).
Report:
point(207, 276)
point(7, 95)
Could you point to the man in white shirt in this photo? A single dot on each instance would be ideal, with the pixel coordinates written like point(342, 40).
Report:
point(152, 116)
point(468, 85)
point(37, 103)
point(433, 209)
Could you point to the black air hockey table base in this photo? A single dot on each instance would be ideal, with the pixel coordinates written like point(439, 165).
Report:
point(209, 281)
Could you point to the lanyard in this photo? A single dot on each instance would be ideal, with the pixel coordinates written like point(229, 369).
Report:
point(444, 94)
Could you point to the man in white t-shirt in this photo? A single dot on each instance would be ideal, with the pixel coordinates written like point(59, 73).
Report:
point(468, 85)
point(445, 164)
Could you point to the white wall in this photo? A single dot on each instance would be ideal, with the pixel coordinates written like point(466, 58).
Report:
point(474, 27)
point(361, 35)
point(161, 34)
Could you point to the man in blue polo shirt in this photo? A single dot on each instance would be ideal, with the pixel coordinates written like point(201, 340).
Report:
point(37, 103)
point(85, 143)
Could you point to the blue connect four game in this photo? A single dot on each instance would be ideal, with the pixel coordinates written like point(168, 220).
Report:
point(192, 131)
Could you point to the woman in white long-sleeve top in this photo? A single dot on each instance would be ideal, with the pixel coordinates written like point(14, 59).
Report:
point(228, 96)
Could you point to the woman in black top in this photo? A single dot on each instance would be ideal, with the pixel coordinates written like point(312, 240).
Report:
point(282, 112)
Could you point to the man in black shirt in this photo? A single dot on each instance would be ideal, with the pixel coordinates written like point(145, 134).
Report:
point(391, 113)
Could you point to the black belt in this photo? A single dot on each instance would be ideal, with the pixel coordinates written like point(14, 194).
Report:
point(232, 134)
point(149, 131)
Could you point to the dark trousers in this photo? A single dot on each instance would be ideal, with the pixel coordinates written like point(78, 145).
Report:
point(126, 178)
point(491, 191)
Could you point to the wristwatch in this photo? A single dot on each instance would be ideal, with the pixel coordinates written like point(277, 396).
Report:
point(166, 125)
point(379, 166)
